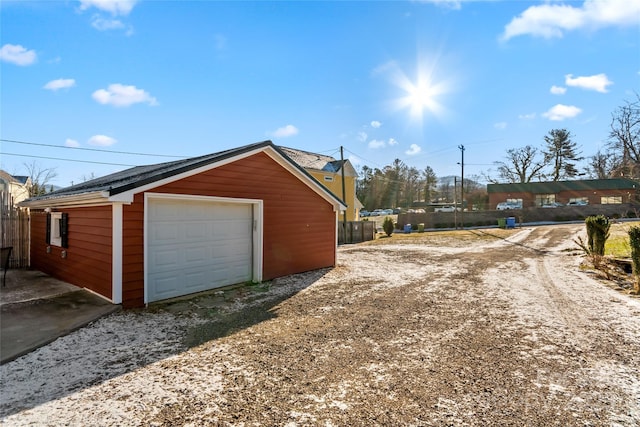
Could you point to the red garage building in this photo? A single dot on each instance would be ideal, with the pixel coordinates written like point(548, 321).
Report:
point(160, 231)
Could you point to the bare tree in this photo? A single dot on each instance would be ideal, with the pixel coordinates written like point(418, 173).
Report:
point(522, 165)
point(561, 154)
point(601, 165)
point(624, 138)
point(40, 178)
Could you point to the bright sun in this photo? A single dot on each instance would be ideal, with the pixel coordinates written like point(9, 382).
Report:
point(420, 96)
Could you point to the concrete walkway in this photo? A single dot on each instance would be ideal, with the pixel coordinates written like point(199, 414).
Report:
point(36, 309)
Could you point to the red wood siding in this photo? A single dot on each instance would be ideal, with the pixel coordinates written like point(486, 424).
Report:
point(299, 225)
point(88, 258)
point(133, 253)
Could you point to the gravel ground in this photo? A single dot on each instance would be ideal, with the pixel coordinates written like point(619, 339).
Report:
point(475, 328)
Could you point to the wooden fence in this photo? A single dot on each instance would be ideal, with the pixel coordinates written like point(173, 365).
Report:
point(14, 231)
point(356, 232)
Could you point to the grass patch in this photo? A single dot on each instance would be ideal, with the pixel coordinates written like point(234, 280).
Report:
point(618, 242)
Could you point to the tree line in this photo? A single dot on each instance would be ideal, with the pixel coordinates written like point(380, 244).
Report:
point(558, 158)
point(399, 185)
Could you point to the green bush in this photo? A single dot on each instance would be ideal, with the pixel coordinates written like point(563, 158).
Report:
point(597, 233)
point(634, 242)
point(387, 226)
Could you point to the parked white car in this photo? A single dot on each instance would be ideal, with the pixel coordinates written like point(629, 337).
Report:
point(446, 209)
point(503, 206)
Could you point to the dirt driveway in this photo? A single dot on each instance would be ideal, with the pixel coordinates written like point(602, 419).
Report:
point(495, 328)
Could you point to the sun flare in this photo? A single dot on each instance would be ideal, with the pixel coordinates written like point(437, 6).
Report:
point(421, 96)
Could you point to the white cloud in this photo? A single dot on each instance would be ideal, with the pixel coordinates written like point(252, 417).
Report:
point(60, 84)
point(598, 82)
point(102, 24)
point(553, 20)
point(558, 90)
point(101, 140)
point(450, 4)
point(17, 54)
point(413, 150)
point(283, 132)
point(560, 112)
point(376, 124)
point(376, 143)
point(362, 136)
point(529, 116)
point(71, 143)
point(500, 125)
point(115, 7)
point(123, 96)
point(392, 142)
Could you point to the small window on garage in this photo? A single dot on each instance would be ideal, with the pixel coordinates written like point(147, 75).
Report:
point(57, 229)
point(611, 200)
point(328, 178)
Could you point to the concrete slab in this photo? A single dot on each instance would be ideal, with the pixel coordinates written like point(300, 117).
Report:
point(37, 309)
point(26, 285)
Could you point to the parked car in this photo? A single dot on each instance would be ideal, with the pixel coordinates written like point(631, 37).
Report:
point(446, 209)
point(364, 213)
point(377, 212)
point(552, 205)
point(578, 203)
point(503, 206)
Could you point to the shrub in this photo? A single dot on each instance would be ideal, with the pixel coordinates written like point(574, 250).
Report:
point(597, 233)
point(634, 241)
point(387, 226)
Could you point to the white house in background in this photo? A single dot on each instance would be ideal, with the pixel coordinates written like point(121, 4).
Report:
point(13, 189)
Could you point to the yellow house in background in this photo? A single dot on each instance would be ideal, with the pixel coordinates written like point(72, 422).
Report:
point(328, 171)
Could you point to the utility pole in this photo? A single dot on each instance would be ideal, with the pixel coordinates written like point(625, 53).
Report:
point(461, 147)
point(455, 204)
point(344, 195)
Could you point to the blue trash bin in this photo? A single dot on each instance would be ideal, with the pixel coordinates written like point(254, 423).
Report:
point(407, 228)
point(511, 222)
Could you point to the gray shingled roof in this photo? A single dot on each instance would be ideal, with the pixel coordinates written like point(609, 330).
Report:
point(315, 161)
point(138, 176)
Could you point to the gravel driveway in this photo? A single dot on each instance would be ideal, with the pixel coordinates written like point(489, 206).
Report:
point(478, 328)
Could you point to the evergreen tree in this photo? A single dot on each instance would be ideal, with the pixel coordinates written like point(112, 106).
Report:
point(561, 154)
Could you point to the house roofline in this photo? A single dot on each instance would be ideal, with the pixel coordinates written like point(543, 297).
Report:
point(73, 200)
point(125, 193)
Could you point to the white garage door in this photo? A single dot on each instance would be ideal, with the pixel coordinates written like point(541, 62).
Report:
point(196, 245)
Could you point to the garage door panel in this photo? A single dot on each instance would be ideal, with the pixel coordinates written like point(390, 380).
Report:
point(197, 245)
point(167, 258)
point(165, 232)
point(196, 254)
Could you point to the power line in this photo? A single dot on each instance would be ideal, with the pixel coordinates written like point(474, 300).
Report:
point(89, 149)
point(66, 160)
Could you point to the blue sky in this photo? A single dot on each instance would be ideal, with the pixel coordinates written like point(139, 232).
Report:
point(384, 79)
